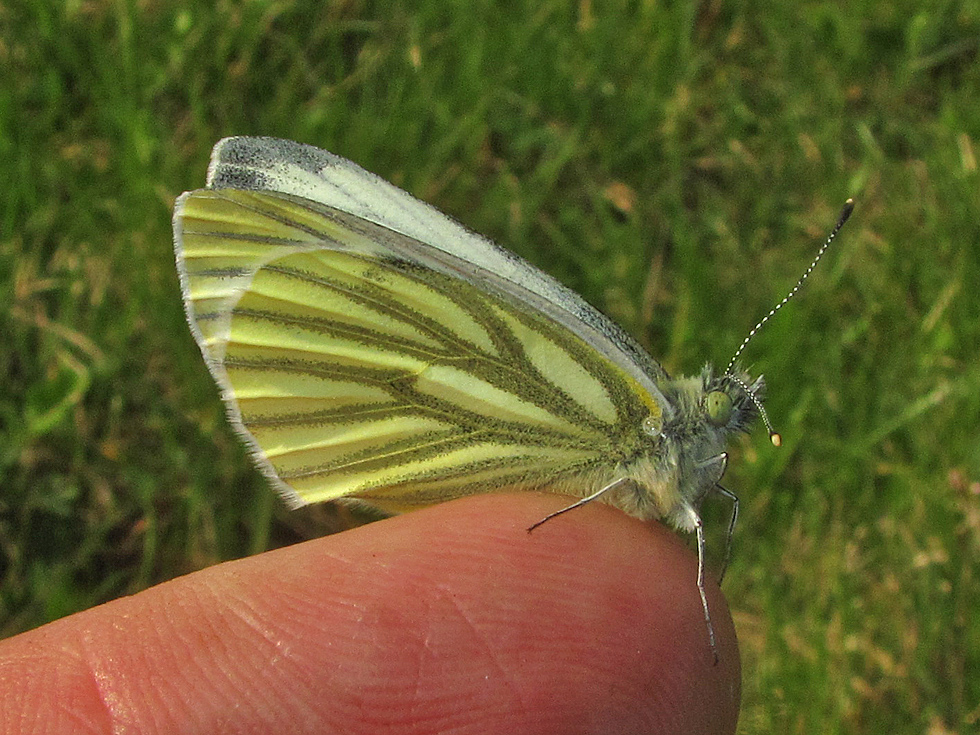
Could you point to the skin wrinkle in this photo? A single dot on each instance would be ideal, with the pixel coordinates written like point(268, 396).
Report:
point(71, 716)
point(27, 714)
point(193, 601)
point(367, 617)
point(299, 605)
point(80, 722)
point(167, 681)
point(433, 594)
point(586, 670)
point(408, 684)
point(424, 655)
point(481, 636)
point(301, 698)
point(236, 608)
point(114, 692)
point(304, 692)
point(490, 649)
point(119, 713)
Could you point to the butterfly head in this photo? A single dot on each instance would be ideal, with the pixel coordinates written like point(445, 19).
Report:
point(707, 409)
point(732, 401)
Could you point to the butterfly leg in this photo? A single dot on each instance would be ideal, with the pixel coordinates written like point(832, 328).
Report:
point(699, 529)
point(731, 527)
point(578, 503)
point(719, 464)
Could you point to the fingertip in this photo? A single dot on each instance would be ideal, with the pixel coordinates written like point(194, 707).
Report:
point(609, 604)
point(449, 618)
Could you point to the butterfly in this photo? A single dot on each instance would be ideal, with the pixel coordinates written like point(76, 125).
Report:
point(369, 348)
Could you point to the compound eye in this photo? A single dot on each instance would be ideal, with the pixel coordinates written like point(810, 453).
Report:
point(719, 406)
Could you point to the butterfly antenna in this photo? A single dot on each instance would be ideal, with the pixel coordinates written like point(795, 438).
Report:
point(844, 214)
point(774, 436)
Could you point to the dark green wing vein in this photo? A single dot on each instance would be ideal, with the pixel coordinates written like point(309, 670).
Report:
point(506, 364)
point(355, 366)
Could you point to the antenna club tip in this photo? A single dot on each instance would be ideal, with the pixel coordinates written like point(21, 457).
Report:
point(845, 212)
point(776, 439)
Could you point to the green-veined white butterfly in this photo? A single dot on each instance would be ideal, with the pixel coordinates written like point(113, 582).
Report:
point(369, 347)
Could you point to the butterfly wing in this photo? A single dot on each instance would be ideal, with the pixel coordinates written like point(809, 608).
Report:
point(287, 167)
point(359, 361)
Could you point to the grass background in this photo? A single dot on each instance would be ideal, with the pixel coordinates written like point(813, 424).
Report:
point(676, 163)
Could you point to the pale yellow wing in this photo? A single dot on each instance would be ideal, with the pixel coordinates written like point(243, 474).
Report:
point(360, 362)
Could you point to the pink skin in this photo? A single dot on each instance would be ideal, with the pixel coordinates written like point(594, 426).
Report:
point(449, 619)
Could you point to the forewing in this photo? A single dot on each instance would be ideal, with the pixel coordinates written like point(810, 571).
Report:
point(287, 167)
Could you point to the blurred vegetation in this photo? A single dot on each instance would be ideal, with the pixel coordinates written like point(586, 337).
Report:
point(676, 163)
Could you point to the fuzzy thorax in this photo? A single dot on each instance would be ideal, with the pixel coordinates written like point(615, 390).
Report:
point(687, 451)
